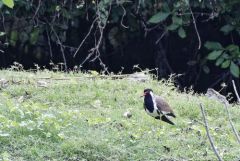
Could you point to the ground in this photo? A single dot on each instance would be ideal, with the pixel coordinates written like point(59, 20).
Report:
point(65, 116)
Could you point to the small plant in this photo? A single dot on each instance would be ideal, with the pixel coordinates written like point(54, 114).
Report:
point(16, 66)
point(225, 57)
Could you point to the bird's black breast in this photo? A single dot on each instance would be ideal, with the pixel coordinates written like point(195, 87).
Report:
point(148, 103)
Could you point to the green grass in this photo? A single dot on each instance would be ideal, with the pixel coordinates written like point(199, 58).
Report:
point(81, 118)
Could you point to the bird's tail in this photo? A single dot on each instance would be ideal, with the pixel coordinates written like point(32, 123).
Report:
point(164, 118)
point(171, 114)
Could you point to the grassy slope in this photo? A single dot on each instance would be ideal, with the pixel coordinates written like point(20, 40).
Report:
point(81, 119)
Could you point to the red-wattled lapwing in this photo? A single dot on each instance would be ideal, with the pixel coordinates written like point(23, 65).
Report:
point(156, 107)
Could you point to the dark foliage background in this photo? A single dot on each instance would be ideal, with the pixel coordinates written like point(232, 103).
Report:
point(197, 39)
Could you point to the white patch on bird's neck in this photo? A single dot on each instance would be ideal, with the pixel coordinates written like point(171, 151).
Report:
point(153, 99)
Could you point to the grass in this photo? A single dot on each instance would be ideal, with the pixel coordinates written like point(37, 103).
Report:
point(81, 118)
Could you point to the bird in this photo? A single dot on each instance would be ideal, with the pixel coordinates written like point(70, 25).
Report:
point(157, 107)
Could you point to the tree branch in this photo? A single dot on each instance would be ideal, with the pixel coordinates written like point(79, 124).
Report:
point(61, 47)
point(38, 7)
point(231, 123)
point(89, 32)
point(124, 14)
point(195, 26)
point(101, 24)
point(49, 44)
point(208, 134)
point(235, 90)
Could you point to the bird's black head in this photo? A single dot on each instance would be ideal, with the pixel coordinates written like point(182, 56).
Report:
point(147, 91)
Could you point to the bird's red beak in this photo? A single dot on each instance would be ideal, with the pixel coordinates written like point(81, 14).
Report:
point(144, 94)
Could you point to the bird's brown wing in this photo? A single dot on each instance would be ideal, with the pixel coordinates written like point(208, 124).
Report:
point(163, 106)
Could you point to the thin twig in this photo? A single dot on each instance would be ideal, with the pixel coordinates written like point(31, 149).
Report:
point(103, 65)
point(231, 123)
point(38, 7)
point(49, 44)
point(195, 26)
point(235, 90)
point(61, 47)
point(160, 38)
point(138, 6)
point(208, 134)
point(124, 14)
point(89, 32)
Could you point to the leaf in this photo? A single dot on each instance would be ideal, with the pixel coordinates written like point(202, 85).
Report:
point(213, 45)
point(8, 3)
point(165, 6)
point(176, 20)
point(13, 37)
point(57, 8)
point(225, 56)
point(159, 17)
point(219, 61)
point(2, 33)
point(234, 69)
point(227, 28)
point(206, 69)
point(233, 48)
point(225, 64)
point(214, 54)
point(34, 36)
point(181, 32)
point(172, 27)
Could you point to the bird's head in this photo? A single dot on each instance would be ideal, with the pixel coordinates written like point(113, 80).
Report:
point(147, 92)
